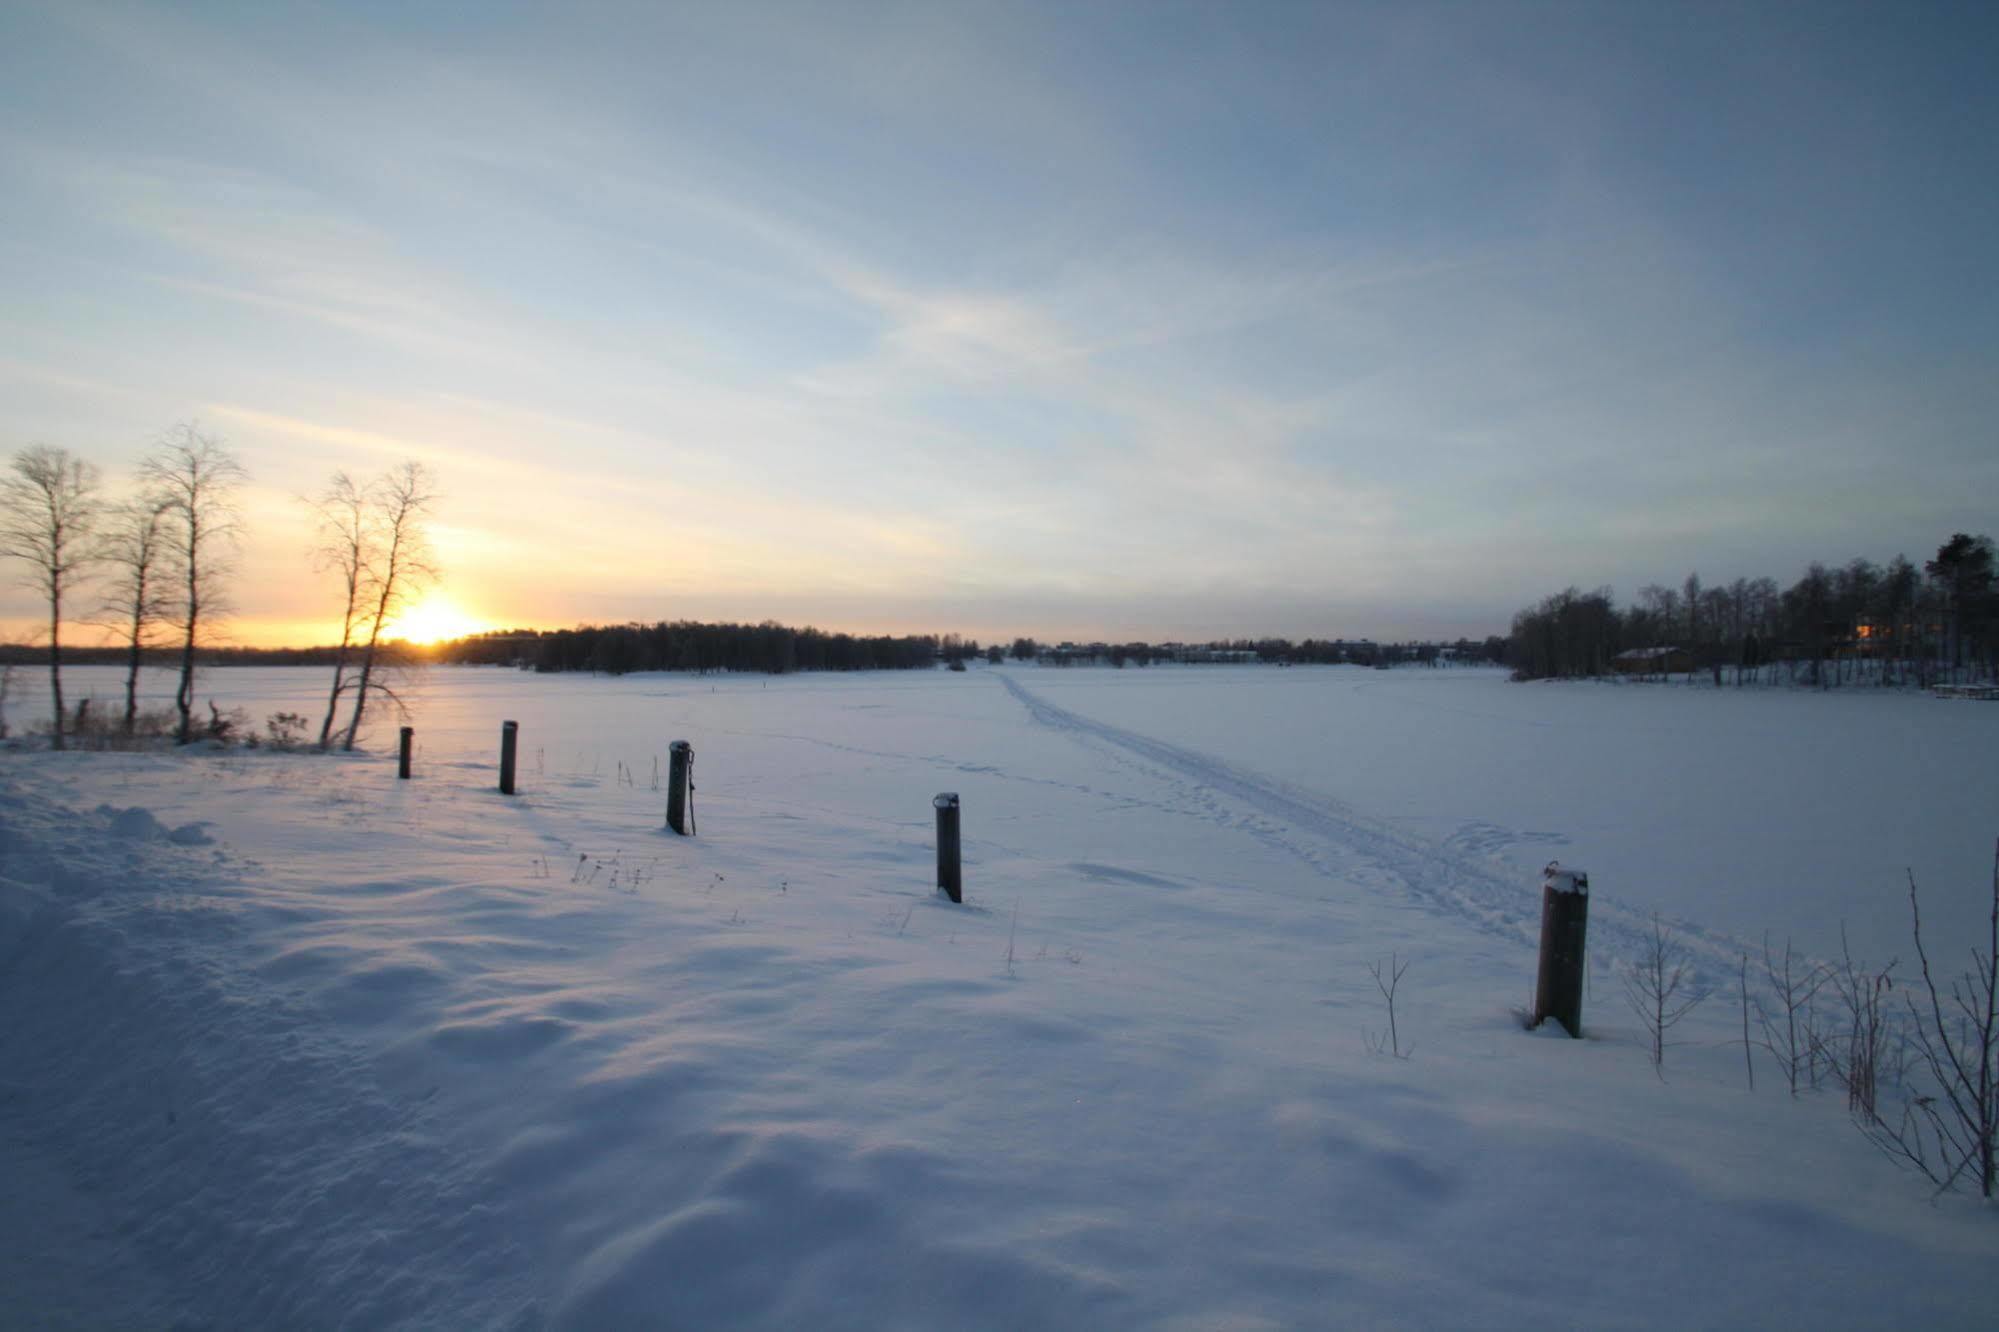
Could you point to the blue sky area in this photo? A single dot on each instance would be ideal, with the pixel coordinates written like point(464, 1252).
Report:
point(1151, 320)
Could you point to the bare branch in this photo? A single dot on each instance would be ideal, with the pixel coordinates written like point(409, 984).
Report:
point(399, 564)
point(1662, 988)
point(1792, 1046)
point(1387, 985)
point(196, 479)
point(49, 510)
point(134, 548)
point(346, 550)
point(1948, 1132)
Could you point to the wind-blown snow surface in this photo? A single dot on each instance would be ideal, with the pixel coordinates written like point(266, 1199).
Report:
point(290, 1043)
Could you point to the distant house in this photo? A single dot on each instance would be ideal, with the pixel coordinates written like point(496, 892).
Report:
point(1874, 636)
point(1653, 661)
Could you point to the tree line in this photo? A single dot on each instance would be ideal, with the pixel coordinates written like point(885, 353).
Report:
point(149, 561)
point(1269, 651)
point(774, 649)
point(685, 645)
point(1890, 624)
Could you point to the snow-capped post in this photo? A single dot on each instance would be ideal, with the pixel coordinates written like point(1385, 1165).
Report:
point(1558, 991)
point(510, 734)
point(948, 877)
point(403, 753)
point(680, 781)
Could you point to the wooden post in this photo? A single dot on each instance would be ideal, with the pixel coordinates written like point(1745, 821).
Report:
point(403, 753)
point(949, 877)
point(679, 782)
point(1558, 991)
point(510, 733)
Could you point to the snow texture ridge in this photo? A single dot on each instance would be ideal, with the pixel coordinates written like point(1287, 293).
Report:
point(253, 1156)
point(380, 1053)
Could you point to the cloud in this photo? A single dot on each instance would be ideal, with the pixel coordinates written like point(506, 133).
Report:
point(1213, 313)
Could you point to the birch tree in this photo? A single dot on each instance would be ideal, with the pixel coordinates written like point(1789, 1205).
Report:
point(134, 549)
point(346, 551)
point(398, 568)
point(48, 511)
point(197, 479)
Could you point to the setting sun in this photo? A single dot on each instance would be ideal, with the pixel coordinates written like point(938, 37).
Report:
point(433, 620)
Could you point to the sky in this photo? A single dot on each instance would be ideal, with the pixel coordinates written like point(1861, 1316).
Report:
point(1131, 320)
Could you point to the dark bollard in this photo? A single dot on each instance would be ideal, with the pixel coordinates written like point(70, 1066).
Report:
point(403, 753)
point(510, 733)
point(1558, 992)
point(680, 787)
point(948, 875)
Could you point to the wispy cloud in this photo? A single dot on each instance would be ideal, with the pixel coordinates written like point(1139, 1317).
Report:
point(1318, 312)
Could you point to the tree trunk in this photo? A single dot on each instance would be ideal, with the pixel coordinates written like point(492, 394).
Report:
point(360, 695)
point(55, 661)
point(333, 698)
point(132, 680)
point(184, 696)
point(391, 584)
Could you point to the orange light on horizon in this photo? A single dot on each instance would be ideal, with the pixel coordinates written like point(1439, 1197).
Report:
point(433, 620)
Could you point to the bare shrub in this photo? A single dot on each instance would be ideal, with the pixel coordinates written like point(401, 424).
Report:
point(1854, 1052)
point(1387, 979)
point(227, 728)
point(285, 729)
point(1748, 1061)
point(1787, 1032)
point(1947, 1132)
point(92, 728)
point(1662, 988)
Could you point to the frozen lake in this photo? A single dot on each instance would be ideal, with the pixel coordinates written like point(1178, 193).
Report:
point(1736, 812)
point(293, 1043)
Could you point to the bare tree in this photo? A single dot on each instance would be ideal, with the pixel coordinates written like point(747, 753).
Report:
point(134, 546)
point(1387, 983)
point(197, 479)
point(1794, 986)
point(400, 566)
point(1748, 1057)
point(345, 550)
point(48, 512)
point(1950, 1134)
point(1855, 1054)
point(1690, 598)
point(1661, 988)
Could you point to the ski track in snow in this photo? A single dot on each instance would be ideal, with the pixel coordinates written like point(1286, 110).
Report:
point(1354, 851)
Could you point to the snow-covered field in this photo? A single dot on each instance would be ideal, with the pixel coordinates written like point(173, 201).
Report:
point(290, 1043)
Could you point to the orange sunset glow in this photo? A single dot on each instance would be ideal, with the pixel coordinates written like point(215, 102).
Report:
point(434, 619)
